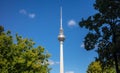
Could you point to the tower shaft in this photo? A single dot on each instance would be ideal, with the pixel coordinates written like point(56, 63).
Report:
point(61, 58)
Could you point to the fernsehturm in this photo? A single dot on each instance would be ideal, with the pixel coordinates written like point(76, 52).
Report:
point(61, 39)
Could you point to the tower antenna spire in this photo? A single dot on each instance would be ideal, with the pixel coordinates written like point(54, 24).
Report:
point(61, 17)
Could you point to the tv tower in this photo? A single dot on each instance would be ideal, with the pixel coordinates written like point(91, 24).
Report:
point(61, 39)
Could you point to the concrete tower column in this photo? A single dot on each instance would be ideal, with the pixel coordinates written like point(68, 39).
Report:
point(61, 58)
point(61, 39)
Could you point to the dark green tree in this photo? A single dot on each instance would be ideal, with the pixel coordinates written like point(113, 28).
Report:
point(18, 55)
point(104, 32)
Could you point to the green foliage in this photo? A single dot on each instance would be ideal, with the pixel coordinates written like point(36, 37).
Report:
point(96, 67)
point(18, 55)
point(104, 32)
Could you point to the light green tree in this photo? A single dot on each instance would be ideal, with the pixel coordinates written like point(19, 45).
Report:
point(18, 55)
point(96, 67)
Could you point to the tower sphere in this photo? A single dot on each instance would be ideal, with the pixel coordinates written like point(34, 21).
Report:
point(61, 37)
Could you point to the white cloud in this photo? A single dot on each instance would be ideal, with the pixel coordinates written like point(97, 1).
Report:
point(23, 11)
point(71, 23)
point(32, 15)
point(69, 72)
point(57, 62)
point(51, 62)
point(26, 13)
point(82, 45)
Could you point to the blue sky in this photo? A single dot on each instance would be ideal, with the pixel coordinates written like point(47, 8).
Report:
point(39, 20)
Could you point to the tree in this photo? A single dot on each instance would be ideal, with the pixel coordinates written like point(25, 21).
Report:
point(96, 67)
point(18, 55)
point(104, 32)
